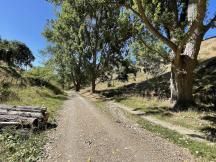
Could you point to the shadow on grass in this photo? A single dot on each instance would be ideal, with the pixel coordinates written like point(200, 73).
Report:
point(205, 84)
point(162, 111)
point(11, 71)
point(42, 83)
point(59, 97)
point(158, 87)
point(204, 87)
point(210, 131)
point(197, 136)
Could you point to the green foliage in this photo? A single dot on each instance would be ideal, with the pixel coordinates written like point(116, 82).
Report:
point(15, 53)
point(5, 92)
point(149, 59)
point(44, 73)
point(16, 146)
point(83, 39)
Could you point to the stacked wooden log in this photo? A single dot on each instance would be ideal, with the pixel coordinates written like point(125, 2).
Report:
point(26, 116)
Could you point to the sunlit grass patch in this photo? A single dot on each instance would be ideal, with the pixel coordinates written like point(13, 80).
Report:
point(36, 96)
point(203, 121)
point(131, 79)
point(145, 104)
point(17, 146)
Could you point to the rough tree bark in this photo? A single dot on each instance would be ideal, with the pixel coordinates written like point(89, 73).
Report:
point(93, 85)
point(183, 82)
point(76, 82)
point(77, 87)
point(93, 79)
point(94, 69)
point(182, 76)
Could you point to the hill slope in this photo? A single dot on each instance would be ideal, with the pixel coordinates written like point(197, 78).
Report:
point(208, 49)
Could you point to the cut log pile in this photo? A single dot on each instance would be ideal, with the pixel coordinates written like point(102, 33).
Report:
point(25, 116)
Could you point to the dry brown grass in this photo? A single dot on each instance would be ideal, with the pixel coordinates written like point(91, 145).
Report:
point(208, 49)
point(131, 79)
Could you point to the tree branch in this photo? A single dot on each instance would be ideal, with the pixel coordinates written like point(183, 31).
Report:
point(197, 22)
point(183, 14)
point(211, 23)
point(152, 28)
point(166, 57)
point(174, 8)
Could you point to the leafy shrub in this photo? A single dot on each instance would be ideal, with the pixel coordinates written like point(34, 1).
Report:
point(20, 146)
point(4, 92)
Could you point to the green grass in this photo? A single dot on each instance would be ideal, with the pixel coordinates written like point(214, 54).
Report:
point(16, 146)
point(161, 109)
point(144, 104)
point(202, 151)
point(199, 149)
point(36, 96)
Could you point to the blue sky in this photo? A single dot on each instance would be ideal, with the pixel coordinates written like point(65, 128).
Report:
point(24, 20)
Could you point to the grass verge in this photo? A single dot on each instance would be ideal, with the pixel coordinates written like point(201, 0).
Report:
point(21, 145)
point(200, 150)
point(192, 119)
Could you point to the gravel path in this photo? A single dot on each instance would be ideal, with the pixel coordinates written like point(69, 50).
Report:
point(85, 133)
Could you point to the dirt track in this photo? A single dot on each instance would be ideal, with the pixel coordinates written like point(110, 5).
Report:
point(86, 133)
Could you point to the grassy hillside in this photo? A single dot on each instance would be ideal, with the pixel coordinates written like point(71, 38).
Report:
point(148, 86)
point(208, 49)
point(17, 89)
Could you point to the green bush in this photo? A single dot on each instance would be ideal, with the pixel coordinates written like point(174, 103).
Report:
point(4, 92)
point(20, 146)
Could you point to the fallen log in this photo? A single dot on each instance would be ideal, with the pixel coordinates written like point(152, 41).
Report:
point(23, 108)
point(3, 124)
point(18, 120)
point(23, 116)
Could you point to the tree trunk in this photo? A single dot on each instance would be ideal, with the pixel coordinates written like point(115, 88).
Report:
point(173, 90)
point(94, 71)
point(93, 84)
point(77, 87)
point(185, 60)
point(78, 74)
point(183, 82)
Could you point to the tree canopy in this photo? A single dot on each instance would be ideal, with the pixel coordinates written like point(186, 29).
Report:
point(15, 53)
point(170, 29)
point(84, 31)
